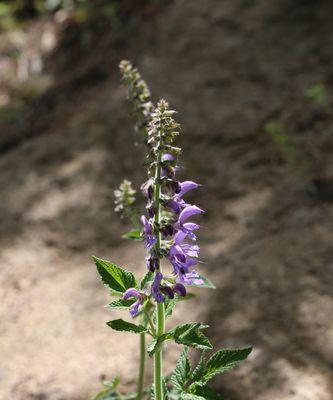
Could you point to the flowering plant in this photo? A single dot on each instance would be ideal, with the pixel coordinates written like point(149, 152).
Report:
point(168, 233)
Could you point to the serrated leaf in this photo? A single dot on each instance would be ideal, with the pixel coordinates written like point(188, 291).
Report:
point(190, 335)
point(120, 304)
point(134, 234)
point(222, 361)
point(206, 285)
point(124, 326)
point(200, 369)
point(182, 372)
point(147, 278)
point(114, 277)
point(207, 393)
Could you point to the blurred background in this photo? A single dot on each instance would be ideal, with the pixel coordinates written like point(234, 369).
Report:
point(252, 81)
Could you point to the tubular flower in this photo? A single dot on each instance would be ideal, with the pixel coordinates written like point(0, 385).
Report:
point(134, 293)
point(156, 289)
point(150, 239)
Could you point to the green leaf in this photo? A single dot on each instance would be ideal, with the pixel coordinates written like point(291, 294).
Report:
point(190, 335)
point(206, 285)
point(200, 369)
point(120, 304)
point(116, 278)
point(134, 234)
point(147, 278)
point(182, 372)
point(124, 326)
point(222, 361)
point(207, 393)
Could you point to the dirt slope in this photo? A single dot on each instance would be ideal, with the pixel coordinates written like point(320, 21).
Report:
point(227, 67)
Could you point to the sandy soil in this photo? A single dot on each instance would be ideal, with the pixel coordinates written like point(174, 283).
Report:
point(227, 67)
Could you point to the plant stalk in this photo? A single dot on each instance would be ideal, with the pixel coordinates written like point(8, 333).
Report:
point(141, 375)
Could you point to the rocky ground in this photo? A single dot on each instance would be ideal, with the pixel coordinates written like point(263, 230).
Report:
point(229, 68)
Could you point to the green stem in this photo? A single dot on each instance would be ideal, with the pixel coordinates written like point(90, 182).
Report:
point(160, 313)
point(141, 376)
point(158, 357)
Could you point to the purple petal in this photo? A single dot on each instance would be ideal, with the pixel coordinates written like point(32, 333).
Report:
point(180, 289)
point(174, 206)
point(146, 225)
point(168, 291)
point(168, 157)
point(135, 308)
point(188, 212)
point(187, 186)
point(155, 288)
point(179, 237)
point(191, 278)
point(131, 293)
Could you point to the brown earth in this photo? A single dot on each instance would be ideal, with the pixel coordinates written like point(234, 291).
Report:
point(228, 68)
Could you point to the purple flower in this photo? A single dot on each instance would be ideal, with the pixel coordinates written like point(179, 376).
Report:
point(175, 206)
point(187, 186)
point(130, 293)
point(189, 212)
point(167, 157)
point(150, 239)
point(190, 278)
point(188, 229)
point(155, 288)
point(179, 289)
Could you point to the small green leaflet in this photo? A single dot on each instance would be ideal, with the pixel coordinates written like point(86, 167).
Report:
point(124, 326)
point(157, 342)
point(120, 304)
point(134, 234)
point(113, 383)
point(116, 278)
point(190, 335)
point(182, 372)
point(222, 361)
